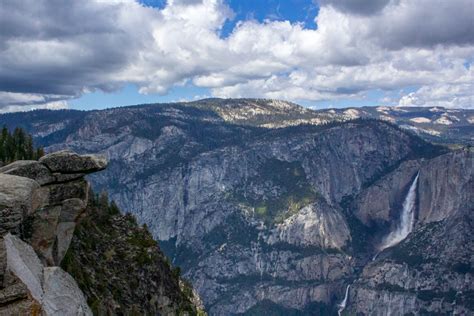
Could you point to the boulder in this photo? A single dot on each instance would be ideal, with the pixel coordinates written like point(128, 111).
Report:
point(23, 262)
point(64, 234)
point(29, 169)
point(71, 209)
point(40, 203)
point(62, 296)
point(19, 197)
point(33, 289)
point(67, 161)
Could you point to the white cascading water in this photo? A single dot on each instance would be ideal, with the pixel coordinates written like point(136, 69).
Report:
point(406, 222)
point(343, 304)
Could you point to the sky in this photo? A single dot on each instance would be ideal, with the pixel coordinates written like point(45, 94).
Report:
point(94, 54)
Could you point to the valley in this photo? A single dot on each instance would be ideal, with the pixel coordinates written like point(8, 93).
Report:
point(266, 205)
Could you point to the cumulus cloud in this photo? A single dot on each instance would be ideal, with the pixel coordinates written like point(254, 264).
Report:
point(52, 51)
point(445, 95)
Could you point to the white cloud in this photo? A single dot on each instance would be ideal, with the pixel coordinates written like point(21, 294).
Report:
point(445, 95)
point(387, 44)
point(56, 105)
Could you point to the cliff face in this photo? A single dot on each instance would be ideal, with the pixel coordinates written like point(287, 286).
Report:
point(247, 220)
point(41, 204)
point(431, 270)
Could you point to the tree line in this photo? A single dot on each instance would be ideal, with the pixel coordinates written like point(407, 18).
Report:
point(17, 145)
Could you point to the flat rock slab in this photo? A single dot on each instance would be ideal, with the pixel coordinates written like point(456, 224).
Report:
point(15, 190)
point(25, 265)
point(18, 197)
point(67, 161)
point(56, 292)
point(29, 169)
point(62, 295)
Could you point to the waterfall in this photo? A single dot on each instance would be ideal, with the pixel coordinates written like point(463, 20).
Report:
point(406, 222)
point(343, 304)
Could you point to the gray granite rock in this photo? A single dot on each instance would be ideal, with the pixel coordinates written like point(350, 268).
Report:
point(29, 169)
point(18, 198)
point(66, 161)
point(34, 289)
point(62, 296)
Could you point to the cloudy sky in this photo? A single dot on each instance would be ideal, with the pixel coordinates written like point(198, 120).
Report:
point(320, 53)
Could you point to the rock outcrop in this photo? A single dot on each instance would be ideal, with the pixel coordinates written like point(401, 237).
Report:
point(40, 203)
point(31, 288)
point(113, 265)
point(57, 193)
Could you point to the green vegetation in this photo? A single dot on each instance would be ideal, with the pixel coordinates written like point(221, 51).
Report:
point(390, 287)
point(288, 191)
point(430, 296)
point(408, 251)
point(17, 146)
point(462, 267)
point(119, 267)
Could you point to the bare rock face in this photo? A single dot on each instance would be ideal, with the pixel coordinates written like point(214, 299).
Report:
point(378, 202)
point(29, 169)
point(251, 217)
point(237, 207)
point(19, 197)
point(66, 161)
point(446, 186)
point(62, 295)
point(40, 289)
point(40, 202)
point(429, 272)
point(51, 195)
point(317, 224)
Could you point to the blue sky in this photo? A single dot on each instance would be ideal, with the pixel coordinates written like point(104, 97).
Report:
point(295, 11)
point(319, 53)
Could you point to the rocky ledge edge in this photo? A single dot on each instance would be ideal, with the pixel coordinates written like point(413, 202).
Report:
point(40, 204)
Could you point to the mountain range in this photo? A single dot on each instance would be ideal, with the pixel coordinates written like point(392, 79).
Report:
point(270, 207)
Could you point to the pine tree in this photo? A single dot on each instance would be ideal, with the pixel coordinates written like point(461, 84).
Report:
point(17, 145)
